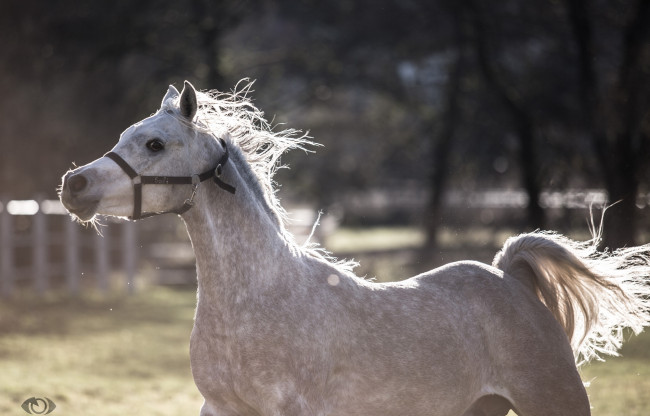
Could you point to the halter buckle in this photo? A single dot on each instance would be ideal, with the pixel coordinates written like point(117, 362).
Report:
point(195, 186)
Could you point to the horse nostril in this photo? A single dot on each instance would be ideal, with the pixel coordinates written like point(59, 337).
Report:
point(77, 183)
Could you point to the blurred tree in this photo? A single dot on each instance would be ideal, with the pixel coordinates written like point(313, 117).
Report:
point(516, 84)
point(213, 19)
point(364, 52)
point(616, 106)
point(86, 71)
point(443, 140)
point(511, 99)
point(432, 95)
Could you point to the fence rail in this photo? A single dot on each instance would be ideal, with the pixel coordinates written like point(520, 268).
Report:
point(41, 247)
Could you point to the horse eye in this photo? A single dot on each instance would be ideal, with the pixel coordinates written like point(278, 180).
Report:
point(155, 145)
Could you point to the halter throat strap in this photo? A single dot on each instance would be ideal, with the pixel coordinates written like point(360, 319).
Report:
point(194, 180)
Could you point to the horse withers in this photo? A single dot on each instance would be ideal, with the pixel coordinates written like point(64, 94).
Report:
point(284, 329)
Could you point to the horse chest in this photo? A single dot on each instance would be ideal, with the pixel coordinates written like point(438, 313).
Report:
point(215, 354)
point(229, 367)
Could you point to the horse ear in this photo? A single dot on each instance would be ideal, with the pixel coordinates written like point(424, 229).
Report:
point(188, 104)
point(171, 92)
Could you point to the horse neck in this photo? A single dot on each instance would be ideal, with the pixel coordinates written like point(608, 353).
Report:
point(237, 240)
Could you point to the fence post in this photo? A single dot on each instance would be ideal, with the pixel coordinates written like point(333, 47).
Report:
point(129, 253)
point(39, 251)
point(72, 275)
point(101, 260)
point(6, 251)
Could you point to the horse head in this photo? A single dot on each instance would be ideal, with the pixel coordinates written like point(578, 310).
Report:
point(168, 148)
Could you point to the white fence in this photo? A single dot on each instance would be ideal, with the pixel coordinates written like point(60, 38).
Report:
point(41, 249)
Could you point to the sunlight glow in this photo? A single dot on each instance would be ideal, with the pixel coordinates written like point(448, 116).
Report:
point(333, 280)
point(24, 207)
point(53, 206)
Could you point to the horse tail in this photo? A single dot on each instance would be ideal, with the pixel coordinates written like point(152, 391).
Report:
point(593, 295)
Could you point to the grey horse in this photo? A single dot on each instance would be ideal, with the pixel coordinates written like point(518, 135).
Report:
point(285, 329)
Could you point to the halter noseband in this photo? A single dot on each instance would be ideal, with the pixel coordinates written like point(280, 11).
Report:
point(194, 180)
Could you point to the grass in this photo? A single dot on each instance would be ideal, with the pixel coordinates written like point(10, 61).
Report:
point(353, 240)
point(99, 356)
point(620, 386)
point(130, 354)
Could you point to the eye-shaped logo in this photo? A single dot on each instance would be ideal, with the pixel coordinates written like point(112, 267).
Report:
point(38, 406)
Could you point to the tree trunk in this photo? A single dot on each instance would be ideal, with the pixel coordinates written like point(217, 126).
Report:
point(615, 146)
point(442, 142)
point(530, 169)
point(620, 224)
point(441, 151)
point(522, 120)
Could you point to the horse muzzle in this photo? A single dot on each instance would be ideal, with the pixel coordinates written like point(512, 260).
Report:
point(76, 195)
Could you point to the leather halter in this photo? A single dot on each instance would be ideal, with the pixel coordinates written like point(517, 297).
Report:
point(194, 180)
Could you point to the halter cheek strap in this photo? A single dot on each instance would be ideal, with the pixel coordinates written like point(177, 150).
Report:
point(194, 180)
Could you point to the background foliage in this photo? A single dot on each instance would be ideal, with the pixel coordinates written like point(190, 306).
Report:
point(432, 95)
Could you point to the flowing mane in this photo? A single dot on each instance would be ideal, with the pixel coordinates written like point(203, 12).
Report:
point(257, 142)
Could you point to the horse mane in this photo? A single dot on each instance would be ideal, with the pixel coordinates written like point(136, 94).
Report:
point(260, 146)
